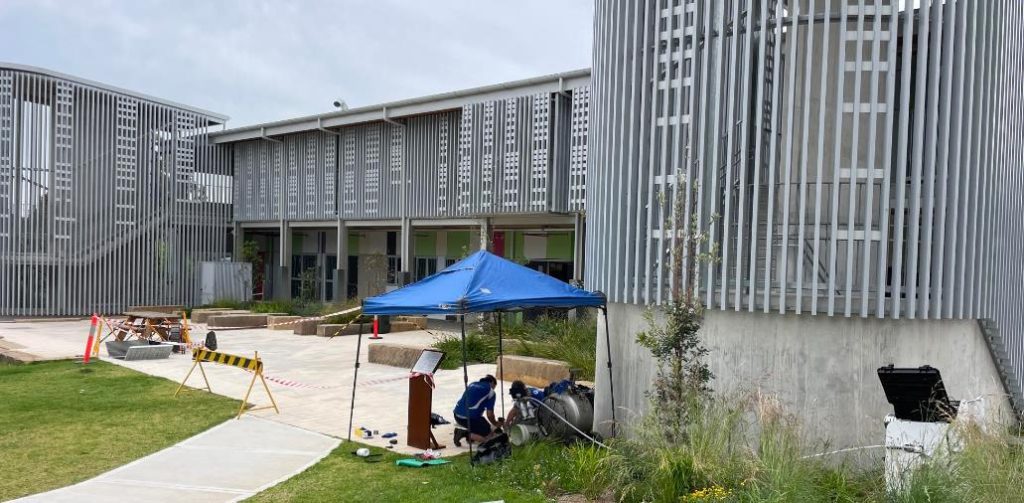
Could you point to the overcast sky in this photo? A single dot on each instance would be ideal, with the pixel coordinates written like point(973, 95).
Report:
point(259, 61)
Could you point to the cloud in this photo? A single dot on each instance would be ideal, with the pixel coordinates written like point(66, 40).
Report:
point(259, 60)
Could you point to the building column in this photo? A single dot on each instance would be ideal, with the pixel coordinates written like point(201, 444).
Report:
point(578, 253)
point(283, 286)
point(237, 240)
point(485, 234)
point(406, 241)
point(341, 264)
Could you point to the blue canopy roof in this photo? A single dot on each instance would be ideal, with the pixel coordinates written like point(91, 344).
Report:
point(481, 282)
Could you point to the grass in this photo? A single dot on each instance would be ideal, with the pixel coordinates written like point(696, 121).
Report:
point(745, 447)
point(60, 419)
point(534, 473)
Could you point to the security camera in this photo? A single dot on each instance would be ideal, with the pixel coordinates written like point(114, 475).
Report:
point(341, 105)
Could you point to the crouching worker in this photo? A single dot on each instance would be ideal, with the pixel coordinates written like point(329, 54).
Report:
point(476, 401)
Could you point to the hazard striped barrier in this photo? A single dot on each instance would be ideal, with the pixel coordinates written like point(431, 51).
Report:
point(205, 355)
point(253, 365)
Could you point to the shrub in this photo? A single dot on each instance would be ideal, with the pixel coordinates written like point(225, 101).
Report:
point(572, 341)
point(273, 306)
point(479, 349)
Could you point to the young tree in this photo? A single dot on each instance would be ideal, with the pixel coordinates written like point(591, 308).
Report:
point(683, 379)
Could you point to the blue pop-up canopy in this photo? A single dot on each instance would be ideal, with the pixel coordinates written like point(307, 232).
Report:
point(480, 283)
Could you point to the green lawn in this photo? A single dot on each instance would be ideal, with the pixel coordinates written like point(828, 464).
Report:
point(534, 473)
point(61, 423)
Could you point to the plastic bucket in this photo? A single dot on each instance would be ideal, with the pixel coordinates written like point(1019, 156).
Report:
point(520, 434)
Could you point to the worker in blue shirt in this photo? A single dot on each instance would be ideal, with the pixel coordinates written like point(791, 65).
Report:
point(477, 400)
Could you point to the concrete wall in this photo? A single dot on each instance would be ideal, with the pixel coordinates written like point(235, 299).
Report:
point(823, 368)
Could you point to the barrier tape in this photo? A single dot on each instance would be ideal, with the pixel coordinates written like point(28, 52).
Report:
point(187, 345)
point(298, 384)
point(293, 322)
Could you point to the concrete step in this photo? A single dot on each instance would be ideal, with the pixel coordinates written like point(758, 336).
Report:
point(537, 372)
point(282, 322)
point(307, 327)
point(203, 314)
point(248, 320)
point(394, 354)
point(332, 330)
point(419, 321)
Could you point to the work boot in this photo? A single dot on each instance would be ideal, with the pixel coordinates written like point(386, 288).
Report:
point(459, 435)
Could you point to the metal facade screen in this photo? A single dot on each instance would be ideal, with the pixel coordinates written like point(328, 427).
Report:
point(524, 154)
point(107, 198)
point(847, 157)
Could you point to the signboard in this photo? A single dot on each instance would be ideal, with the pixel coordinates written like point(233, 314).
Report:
point(428, 362)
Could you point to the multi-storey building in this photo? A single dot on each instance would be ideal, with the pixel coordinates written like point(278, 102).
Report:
point(855, 167)
point(107, 197)
point(853, 164)
point(402, 189)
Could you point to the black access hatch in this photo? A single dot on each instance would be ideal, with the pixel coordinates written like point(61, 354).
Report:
point(917, 394)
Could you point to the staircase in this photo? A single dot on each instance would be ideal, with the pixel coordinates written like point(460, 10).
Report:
point(997, 346)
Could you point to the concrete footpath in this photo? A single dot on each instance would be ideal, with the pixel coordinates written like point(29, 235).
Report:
point(310, 377)
point(229, 462)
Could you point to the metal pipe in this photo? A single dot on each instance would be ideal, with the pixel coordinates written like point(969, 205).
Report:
point(355, 376)
point(501, 367)
point(608, 351)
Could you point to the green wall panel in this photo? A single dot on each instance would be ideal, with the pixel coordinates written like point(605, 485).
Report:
point(458, 244)
point(426, 244)
point(560, 246)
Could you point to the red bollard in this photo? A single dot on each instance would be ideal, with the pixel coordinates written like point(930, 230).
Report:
point(376, 328)
point(88, 342)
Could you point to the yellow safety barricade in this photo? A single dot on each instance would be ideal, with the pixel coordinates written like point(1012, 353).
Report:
point(254, 365)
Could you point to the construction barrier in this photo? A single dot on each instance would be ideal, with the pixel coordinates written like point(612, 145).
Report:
point(254, 365)
point(93, 328)
point(376, 328)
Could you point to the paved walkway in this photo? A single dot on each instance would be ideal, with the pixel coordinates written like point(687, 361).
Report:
point(322, 366)
point(228, 462)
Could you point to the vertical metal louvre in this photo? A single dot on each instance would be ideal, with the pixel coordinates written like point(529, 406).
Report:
point(847, 157)
point(106, 199)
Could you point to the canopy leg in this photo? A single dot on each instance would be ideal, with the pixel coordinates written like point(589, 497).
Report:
point(465, 375)
point(355, 375)
point(608, 350)
point(501, 369)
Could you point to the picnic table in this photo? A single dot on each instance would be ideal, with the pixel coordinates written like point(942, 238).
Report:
point(146, 324)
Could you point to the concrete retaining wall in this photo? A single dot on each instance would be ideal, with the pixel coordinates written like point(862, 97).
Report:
point(419, 322)
point(331, 330)
point(822, 368)
point(202, 315)
point(307, 327)
point(237, 320)
point(536, 372)
point(274, 320)
point(395, 355)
